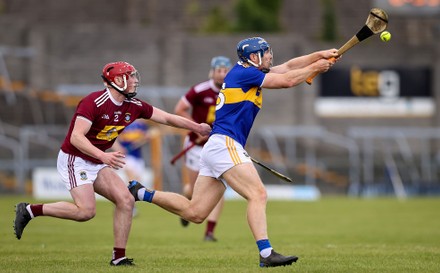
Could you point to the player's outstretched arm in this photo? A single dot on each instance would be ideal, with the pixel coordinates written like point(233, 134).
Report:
point(166, 118)
point(304, 61)
point(296, 76)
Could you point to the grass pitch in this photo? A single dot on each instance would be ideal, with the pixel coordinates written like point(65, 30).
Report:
point(329, 235)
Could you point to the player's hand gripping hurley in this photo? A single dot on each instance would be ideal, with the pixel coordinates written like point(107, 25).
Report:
point(376, 22)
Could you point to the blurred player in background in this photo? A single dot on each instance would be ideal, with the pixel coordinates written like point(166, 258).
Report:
point(85, 165)
point(130, 143)
point(223, 158)
point(198, 104)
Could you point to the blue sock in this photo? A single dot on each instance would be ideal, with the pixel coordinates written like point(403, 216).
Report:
point(264, 247)
point(263, 244)
point(148, 195)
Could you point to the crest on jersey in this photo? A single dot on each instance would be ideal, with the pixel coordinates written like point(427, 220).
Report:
point(220, 101)
point(127, 117)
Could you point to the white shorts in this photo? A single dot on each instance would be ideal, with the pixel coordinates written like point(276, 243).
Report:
point(192, 156)
point(76, 171)
point(220, 154)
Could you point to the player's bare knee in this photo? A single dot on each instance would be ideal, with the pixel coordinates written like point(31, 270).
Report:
point(262, 194)
point(126, 204)
point(258, 195)
point(125, 201)
point(129, 201)
point(196, 218)
point(86, 214)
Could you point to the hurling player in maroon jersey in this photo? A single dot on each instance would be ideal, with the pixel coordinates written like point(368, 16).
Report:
point(85, 165)
point(198, 104)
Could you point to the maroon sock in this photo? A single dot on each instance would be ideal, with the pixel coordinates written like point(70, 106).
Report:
point(210, 227)
point(118, 253)
point(37, 209)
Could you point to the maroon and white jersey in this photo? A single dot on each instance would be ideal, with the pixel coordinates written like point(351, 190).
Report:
point(202, 98)
point(108, 118)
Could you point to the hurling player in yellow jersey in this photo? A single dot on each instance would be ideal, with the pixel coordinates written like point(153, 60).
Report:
point(223, 159)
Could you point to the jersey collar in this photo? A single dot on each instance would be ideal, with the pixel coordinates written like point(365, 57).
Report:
point(213, 86)
point(113, 99)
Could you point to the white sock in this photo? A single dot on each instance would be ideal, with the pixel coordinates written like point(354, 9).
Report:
point(266, 252)
point(141, 194)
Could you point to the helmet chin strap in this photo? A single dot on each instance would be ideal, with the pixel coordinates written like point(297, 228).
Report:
point(259, 61)
point(128, 95)
point(122, 90)
point(264, 70)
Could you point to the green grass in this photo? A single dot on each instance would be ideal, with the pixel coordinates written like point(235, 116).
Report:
point(330, 235)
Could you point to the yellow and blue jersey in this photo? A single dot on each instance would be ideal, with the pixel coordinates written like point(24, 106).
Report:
point(239, 102)
point(130, 137)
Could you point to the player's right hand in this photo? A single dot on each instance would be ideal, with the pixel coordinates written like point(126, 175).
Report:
point(323, 65)
point(205, 129)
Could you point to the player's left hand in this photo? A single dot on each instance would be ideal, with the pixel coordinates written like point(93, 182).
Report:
point(116, 160)
point(330, 53)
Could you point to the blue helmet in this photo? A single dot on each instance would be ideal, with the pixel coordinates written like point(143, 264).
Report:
point(252, 45)
point(220, 61)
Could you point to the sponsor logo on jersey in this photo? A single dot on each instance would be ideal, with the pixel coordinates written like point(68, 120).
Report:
point(105, 116)
point(109, 132)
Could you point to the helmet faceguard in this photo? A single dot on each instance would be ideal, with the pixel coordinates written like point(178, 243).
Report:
point(256, 45)
point(123, 69)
